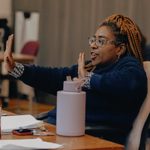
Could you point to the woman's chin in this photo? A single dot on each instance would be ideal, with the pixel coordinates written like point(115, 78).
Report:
point(94, 63)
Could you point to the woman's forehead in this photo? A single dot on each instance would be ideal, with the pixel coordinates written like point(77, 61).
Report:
point(104, 31)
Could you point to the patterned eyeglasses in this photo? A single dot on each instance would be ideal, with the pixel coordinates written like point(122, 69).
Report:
point(100, 41)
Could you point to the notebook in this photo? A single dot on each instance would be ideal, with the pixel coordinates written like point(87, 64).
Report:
point(9, 123)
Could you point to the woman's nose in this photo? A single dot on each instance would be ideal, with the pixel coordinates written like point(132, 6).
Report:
point(93, 45)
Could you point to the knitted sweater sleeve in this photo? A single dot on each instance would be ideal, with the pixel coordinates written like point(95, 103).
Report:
point(127, 77)
point(47, 79)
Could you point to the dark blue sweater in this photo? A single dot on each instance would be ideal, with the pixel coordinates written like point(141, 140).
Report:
point(116, 94)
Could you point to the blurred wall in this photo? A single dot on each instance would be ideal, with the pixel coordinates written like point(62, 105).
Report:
point(5, 10)
point(65, 25)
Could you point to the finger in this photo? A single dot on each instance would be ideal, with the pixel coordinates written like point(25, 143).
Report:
point(83, 58)
point(75, 79)
point(80, 64)
point(79, 59)
point(9, 44)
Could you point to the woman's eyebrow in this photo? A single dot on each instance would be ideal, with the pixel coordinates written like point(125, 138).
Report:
point(101, 36)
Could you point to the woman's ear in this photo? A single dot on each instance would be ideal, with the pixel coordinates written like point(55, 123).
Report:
point(121, 49)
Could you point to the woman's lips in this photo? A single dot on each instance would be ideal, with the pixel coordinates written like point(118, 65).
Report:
point(94, 55)
point(93, 58)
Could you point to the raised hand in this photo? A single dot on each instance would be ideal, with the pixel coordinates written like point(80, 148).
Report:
point(8, 58)
point(81, 66)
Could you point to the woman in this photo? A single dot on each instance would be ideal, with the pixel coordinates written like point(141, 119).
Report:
point(114, 78)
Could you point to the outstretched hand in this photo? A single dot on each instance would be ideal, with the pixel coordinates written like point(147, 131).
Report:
point(8, 58)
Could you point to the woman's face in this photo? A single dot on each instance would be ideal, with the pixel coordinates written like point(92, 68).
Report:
point(103, 48)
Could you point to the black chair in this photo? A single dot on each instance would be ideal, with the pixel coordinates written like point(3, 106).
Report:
point(107, 132)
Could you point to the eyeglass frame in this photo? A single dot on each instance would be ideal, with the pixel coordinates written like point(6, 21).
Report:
point(96, 41)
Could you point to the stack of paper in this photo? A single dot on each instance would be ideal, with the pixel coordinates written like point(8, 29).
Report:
point(24, 144)
point(9, 123)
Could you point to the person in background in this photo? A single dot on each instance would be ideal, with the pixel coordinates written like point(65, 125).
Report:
point(113, 79)
point(6, 28)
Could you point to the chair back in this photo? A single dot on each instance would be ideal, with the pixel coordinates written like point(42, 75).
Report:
point(31, 48)
point(137, 136)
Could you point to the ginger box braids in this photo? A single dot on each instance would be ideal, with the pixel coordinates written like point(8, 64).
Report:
point(130, 29)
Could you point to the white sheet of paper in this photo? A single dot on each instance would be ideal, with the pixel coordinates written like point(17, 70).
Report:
point(21, 144)
point(9, 123)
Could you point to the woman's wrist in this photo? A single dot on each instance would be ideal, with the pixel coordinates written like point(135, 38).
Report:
point(87, 79)
point(17, 70)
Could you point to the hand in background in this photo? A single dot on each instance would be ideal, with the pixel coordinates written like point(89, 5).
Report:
point(81, 66)
point(8, 58)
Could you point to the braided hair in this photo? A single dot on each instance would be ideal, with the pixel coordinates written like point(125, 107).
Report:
point(130, 33)
point(127, 32)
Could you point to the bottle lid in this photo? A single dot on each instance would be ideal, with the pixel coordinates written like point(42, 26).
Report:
point(72, 85)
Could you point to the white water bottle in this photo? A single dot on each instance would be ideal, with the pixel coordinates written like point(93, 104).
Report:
point(71, 110)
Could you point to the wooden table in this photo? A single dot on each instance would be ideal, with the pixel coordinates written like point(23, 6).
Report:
point(85, 142)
